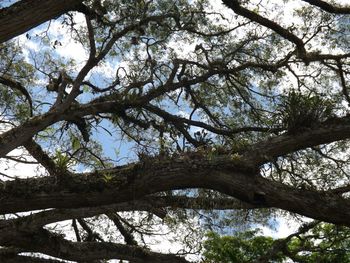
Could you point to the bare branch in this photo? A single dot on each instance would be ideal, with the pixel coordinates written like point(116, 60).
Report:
point(228, 132)
point(342, 81)
point(330, 8)
point(238, 9)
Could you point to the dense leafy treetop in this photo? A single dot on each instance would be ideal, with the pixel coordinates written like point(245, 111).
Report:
point(323, 243)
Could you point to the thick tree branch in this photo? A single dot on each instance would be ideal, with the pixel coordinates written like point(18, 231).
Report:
point(330, 8)
point(54, 245)
point(27, 14)
point(27, 259)
point(329, 131)
point(148, 203)
point(233, 177)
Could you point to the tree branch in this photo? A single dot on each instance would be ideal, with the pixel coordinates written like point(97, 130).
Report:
point(54, 245)
point(231, 176)
point(15, 85)
point(330, 8)
point(27, 14)
point(280, 245)
point(148, 203)
point(238, 9)
point(27, 259)
point(169, 118)
point(329, 131)
point(128, 237)
point(42, 157)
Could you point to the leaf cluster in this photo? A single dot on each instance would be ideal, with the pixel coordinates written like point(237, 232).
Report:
point(323, 243)
point(298, 112)
point(243, 247)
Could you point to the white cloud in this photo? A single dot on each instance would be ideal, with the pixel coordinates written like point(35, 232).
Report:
point(284, 226)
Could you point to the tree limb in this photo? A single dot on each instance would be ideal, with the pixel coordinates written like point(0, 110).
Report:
point(15, 85)
point(238, 9)
point(27, 14)
point(54, 245)
point(42, 157)
point(128, 237)
point(233, 177)
point(330, 8)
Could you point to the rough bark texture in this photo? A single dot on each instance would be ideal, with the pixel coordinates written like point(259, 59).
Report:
point(27, 14)
point(135, 181)
point(233, 169)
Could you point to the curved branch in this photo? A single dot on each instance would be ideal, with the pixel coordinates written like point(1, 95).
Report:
point(330, 8)
point(149, 203)
point(327, 132)
point(238, 9)
point(54, 245)
point(231, 176)
point(15, 85)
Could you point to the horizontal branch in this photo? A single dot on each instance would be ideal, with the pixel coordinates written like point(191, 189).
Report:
point(333, 130)
point(170, 118)
point(149, 203)
point(27, 259)
point(225, 174)
point(54, 245)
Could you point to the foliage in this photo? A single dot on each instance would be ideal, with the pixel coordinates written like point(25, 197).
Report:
point(323, 243)
point(298, 111)
point(129, 129)
point(243, 247)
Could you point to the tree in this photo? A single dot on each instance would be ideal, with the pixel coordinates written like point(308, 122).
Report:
point(231, 110)
point(243, 247)
point(324, 243)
